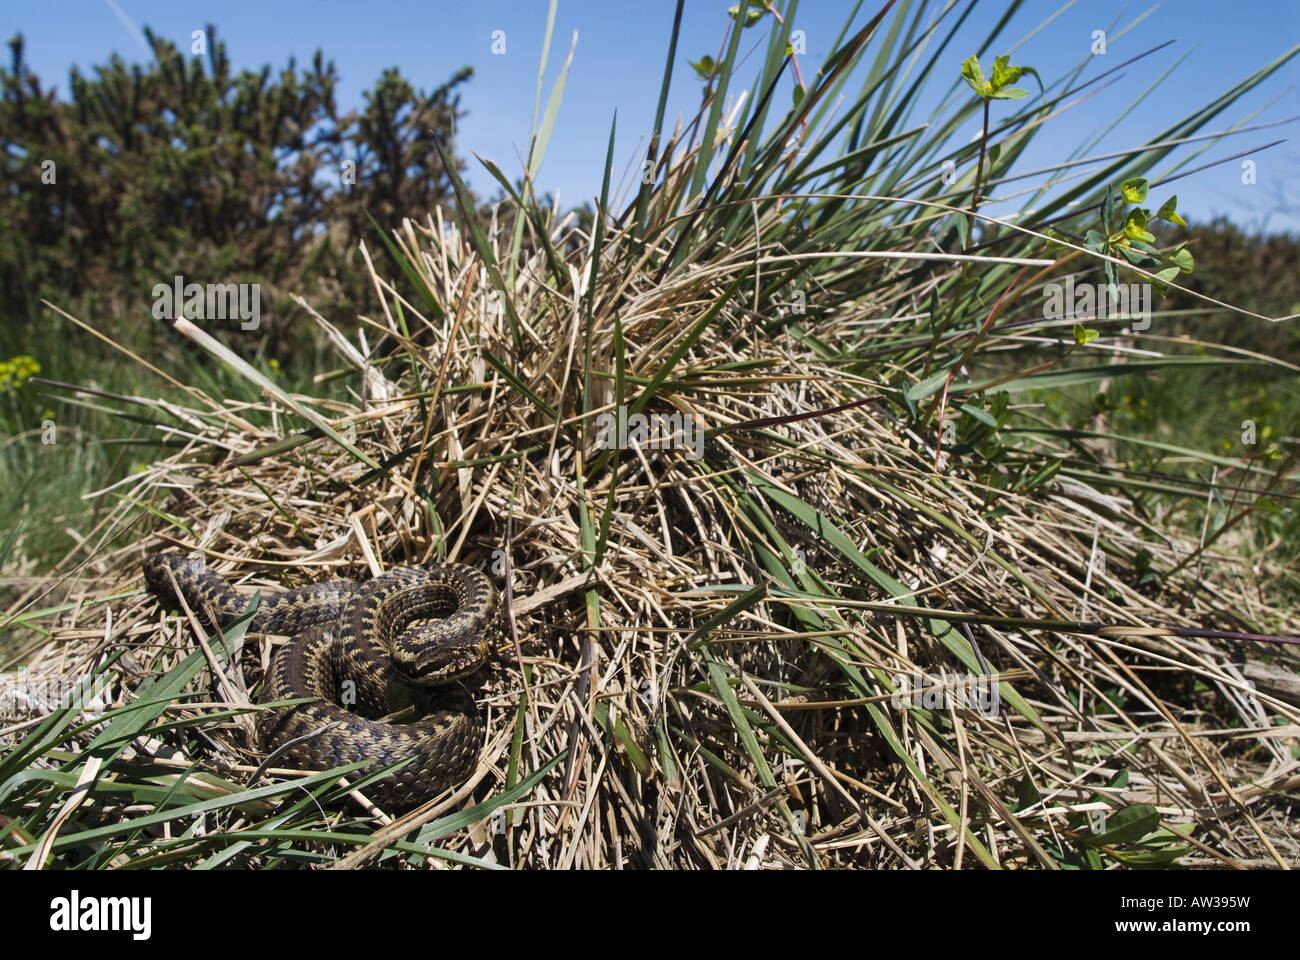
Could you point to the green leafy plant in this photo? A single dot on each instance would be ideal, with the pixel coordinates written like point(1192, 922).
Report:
point(1124, 232)
point(996, 87)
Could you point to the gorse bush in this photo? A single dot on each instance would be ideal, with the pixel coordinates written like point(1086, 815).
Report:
point(184, 166)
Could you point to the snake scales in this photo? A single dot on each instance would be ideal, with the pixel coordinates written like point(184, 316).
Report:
point(365, 650)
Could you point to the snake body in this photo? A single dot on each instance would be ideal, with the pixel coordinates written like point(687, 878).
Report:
point(364, 650)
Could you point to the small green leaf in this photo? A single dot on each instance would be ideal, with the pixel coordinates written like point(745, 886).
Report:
point(704, 67)
point(1027, 795)
point(1167, 212)
point(1162, 857)
point(1165, 275)
point(980, 414)
point(928, 386)
point(1004, 74)
point(1182, 259)
point(1083, 335)
point(1134, 190)
point(1135, 225)
point(1126, 825)
point(1139, 258)
point(974, 76)
point(752, 15)
point(1042, 475)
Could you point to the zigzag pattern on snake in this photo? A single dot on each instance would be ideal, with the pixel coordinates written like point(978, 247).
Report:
point(381, 645)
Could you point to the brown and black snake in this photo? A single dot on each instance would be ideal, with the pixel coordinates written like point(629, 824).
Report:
point(364, 650)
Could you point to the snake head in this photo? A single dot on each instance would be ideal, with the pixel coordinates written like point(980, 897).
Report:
point(449, 660)
point(436, 623)
point(159, 568)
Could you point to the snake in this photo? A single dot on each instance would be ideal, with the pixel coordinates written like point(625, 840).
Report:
point(362, 651)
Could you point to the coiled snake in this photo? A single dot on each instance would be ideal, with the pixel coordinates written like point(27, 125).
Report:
point(363, 649)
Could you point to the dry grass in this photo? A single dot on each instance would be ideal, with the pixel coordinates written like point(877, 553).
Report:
point(713, 675)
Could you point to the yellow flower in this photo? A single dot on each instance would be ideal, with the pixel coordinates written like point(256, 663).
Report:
point(15, 371)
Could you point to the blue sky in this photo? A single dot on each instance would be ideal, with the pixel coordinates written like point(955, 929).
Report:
point(621, 47)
